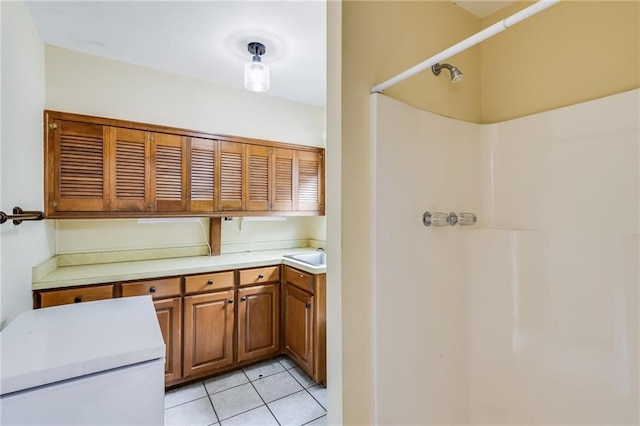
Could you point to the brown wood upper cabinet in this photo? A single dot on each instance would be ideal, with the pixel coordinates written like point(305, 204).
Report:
point(148, 171)
point(99, 167)
point(204, 166)
point(96, 168)
point(309, 172)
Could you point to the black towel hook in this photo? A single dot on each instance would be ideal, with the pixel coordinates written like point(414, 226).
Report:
point(19, 215)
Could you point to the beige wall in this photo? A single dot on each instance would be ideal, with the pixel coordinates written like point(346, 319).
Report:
point(381, 39)
point(334, 214)
point(75, 80)
point(21, 151)
point(107, 235)
point(572, 52)
point(86, 84)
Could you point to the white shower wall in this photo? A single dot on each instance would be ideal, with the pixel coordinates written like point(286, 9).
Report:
point(420, 161)
point(531, 316)
point(553, 284)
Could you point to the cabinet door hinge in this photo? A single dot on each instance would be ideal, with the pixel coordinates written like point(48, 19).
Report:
point(53, 126)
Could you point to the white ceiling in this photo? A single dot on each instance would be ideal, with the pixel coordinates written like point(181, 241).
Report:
point(201, 39)
point(207, 39)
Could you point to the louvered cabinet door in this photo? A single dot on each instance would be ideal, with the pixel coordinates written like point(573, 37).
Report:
point(282, 178)
point(202, 157)
point(257, 178)
point(131, 173)
point(310, 181)
point(170, 177)
point(77, 178)
point(231, 165)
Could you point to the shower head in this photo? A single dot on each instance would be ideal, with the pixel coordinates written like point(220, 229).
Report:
point(456, 74)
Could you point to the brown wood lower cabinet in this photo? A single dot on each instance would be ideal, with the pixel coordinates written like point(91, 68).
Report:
point(304, 317)
point(74, 295)
point(258, 322)
point(169, 313)
point(208, 332)
point(298, 327)
point(167, 299)
point(218, 321)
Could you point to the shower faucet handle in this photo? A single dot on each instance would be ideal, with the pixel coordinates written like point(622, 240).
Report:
point(444, 219)
point(435, 219)
point(467, 219)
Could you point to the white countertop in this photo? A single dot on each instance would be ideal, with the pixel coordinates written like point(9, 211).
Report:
point(49, 345)
point(67, 276)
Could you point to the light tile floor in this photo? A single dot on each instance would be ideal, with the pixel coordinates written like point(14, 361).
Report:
point(274, 392)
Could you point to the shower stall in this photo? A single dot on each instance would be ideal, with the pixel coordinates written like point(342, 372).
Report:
point(530, 316)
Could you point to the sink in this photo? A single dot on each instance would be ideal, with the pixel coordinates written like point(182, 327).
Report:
point(313, 259)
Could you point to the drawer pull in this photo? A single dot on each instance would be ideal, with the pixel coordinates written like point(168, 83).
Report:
point(243, 298)
point(210, 282)
point(230, 301)
point(260, 276)
point(77, 299)
point(308, 305)
point(152, 290)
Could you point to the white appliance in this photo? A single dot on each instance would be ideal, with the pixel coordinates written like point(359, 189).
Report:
point(93, 363)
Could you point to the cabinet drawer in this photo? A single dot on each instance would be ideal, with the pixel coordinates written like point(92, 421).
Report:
point(158, 289)
point(208, 282)
point(299, 278)
point(75, 295)
point(259, 275)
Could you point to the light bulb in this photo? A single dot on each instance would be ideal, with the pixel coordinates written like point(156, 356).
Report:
point(256, 76)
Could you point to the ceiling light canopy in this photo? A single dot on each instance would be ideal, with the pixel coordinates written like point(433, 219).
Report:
point(256, 74)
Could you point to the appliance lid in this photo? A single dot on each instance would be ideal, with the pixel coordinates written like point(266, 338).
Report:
point(48, 345)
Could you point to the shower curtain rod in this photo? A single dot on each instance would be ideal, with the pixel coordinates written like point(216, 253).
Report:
point(488, 32)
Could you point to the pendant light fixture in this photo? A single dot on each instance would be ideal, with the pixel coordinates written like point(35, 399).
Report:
point(256, 74)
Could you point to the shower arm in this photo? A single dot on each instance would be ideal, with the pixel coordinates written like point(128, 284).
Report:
point(438, 67)
point(488, 32)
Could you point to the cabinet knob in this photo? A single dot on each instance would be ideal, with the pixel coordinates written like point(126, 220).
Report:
point(77, 299)
point(152, 290)
point(260, 276)
point(243, 298)
point(210, 282)
point(150, 205)
point(308, 305)
point(230, 301)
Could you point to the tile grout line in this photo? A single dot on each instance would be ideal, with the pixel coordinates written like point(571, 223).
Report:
point(215, 412)
point(316, 400)
point(285, 369)
point(324, 415)
point(261, 398)
point(305, 389)
point(186, 402)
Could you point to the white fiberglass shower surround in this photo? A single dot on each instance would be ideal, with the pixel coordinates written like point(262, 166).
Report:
point(530, 316)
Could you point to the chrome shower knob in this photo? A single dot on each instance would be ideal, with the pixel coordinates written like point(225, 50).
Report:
point(467, 219)
point(435, 219)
